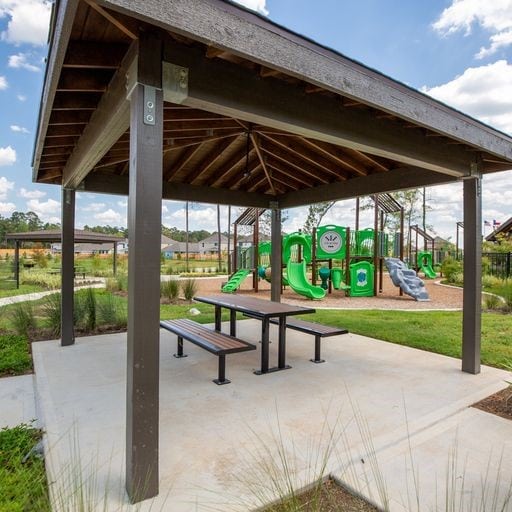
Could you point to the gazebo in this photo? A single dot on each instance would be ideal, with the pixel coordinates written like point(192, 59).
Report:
point(205, 101)
point(48, 236)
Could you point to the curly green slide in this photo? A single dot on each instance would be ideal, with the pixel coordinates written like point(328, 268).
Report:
point(298, 281)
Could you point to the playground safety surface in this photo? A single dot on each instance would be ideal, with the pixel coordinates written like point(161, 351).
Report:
point(441, 297)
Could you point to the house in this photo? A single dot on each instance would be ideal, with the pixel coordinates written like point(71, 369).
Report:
point(503, 231)
point(210, 244)
point(176, 250)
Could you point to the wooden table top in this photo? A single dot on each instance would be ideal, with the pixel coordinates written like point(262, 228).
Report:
point(253, 305)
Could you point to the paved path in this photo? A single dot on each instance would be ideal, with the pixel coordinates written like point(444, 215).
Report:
point(39, 295)
point(17, 401)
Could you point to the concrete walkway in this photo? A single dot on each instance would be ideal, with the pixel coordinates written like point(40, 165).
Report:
point(5, 301)
point(17, 402)
point(372, 409)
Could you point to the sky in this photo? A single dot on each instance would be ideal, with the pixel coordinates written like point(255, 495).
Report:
point(458, 51)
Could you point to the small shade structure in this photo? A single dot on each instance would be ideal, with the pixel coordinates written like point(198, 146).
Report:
point(203, 100)
point(50, 236)
point(502, 231)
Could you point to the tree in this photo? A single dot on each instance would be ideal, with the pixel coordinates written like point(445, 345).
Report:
point(219, 239)
point(316, 212)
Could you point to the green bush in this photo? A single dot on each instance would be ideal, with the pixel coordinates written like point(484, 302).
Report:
point(41, 278)
point(85, 310)
point(22, 318)
point(489, 281)
point(170, 289)
point(486, 266)
point(492, 302)
point(450, 268)
point(189, 287)
point(51, 309)
point(110, 311)
point(14, 355)
point(23, 485)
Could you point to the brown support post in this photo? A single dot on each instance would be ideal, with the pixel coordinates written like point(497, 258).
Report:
point(67, 333)
point(114, 260)
point(375, 243)
point(381, 255)
point(235, 247)
point(17, 263)
point(357, 213)
point(401, 240)
point(313, 257)
point(144, 227)
point(472, 293)
point(256, 254)
point(229, 240)
point(276, 256)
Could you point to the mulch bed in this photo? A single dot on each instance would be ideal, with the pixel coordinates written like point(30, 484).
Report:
point(331, 498)
point(500, 403)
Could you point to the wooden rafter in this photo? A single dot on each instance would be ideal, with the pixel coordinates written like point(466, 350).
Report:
point(112, 19)
point(179, 142)
point(256, 143)
point(231, 166)
point(237, 179)
point(182, 161)
point(374, 160)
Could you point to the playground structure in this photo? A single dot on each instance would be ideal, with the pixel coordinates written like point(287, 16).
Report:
point(422, 260)
point(340, 259)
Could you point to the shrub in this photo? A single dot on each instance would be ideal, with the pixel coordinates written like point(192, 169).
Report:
point(52, 313)
point(41, 278)
point(170, 289)
point(507, 296)
point(450, 267)
point(489, 281)
point(85, 310)
point(457, 278)
point(486, 266)
point(110, 312)
point(22, 318)
point(14, 355)
point(492, 302)
point(189, 287)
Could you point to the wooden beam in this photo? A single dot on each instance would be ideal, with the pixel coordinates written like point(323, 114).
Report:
point(228, 89)
point(256, 143)
point(64, 117)
point(107, 124)
point(266, 72)
point(238, 178)
point(178, 142)
point(122, 27)
point(90, 54)
point(182, 161)
point(73, 130)
point(118, 185)
point(229, 167)
point(396, 179)
point(82, 80)
point(72, 101)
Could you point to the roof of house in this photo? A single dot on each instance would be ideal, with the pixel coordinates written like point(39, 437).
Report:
point(503, 229)
point(55, 235)
point(193, 247)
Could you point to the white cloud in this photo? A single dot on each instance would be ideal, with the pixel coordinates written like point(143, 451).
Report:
point(484, 92)
point(5, 187)
point(110, 217)
point(21, 97)
point(7, 156)
point(19, 129)
point(94, 207)
point(28, 21)
point(495, 17)
point(255, 5)
point(31, 194)
point(122, 204)
point(3, 83)
point(199, 217)
point(20, 61)
point(45, 210)
point(7, 208)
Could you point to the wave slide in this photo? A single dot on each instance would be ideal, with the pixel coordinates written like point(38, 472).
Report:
point(235, 281)
point(406, 279)
point(298, 281)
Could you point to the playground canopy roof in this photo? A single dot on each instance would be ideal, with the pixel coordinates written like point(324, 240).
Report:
point(504, 229)
point(55, 235)
point(388, 204)
point(259, 114)
point(248, 216)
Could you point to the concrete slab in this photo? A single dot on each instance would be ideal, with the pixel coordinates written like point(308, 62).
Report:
point(17, 404)
point(223, 447)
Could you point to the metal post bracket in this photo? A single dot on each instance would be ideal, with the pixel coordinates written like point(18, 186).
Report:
point(174, 82)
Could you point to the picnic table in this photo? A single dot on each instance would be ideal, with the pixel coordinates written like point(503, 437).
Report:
point(260, 309)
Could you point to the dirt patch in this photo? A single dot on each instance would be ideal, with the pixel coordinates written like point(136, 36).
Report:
point(500, 403)
point(331, 497)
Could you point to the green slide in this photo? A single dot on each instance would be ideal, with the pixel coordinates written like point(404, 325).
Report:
point(298, 281)
point(235, 280)
point(425, 264)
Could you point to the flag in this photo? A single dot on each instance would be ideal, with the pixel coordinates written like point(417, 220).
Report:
point(487, 223)
point(496, 223)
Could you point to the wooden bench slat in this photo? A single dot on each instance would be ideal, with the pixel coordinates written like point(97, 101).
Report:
point(312, 327)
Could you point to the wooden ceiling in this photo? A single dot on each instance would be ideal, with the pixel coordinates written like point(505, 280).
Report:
point(200, 148)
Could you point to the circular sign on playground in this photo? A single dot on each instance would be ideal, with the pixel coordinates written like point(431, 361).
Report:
point(330, 242)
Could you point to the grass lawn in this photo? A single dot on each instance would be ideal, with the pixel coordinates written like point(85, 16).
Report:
point(14, 355)
point(435, 331)
point(23, 485)
point(22, 290)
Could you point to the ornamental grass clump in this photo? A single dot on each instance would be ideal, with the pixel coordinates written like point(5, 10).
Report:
point(22, 318)
point(170, 289)
point(110, 312)
point(51, 309)
point(189, 287)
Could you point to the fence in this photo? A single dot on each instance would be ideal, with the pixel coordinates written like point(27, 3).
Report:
point(499, 263)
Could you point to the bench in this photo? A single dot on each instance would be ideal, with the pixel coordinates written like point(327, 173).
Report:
point(319, 331)
point(214, 341)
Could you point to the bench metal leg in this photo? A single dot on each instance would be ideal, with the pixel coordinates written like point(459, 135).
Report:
point(222, 372)
point(180, 348)
point(317, 359)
